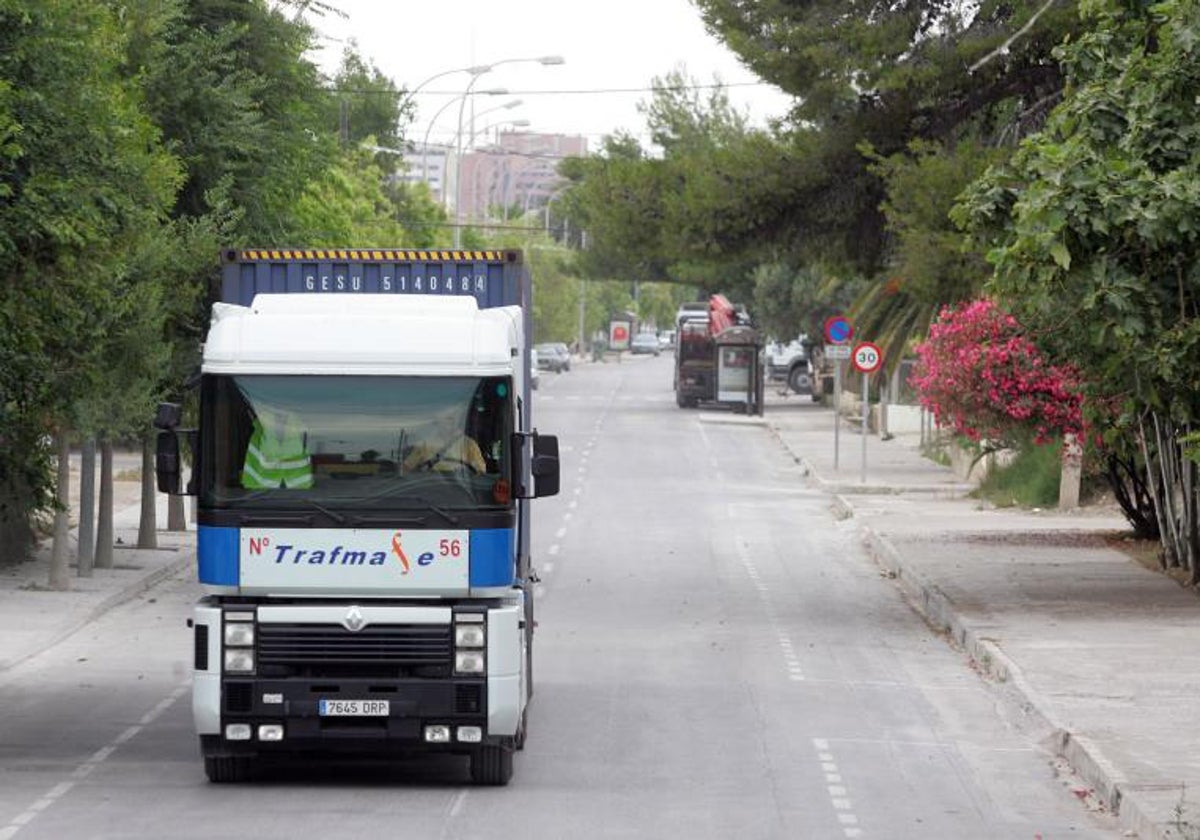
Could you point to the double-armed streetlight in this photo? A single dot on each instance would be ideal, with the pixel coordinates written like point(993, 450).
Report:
point(476, 73)
point(473, 69)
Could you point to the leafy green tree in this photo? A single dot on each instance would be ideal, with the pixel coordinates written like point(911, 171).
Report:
point(85, 184)
point(898, 107)
point(1093, 232)
point(423, 219)
point(916, 69)
point(657, 303)
point(789, 302)
point(929, 265)
point(347, 206)
point(365, 104)
point(616, 197)
point(556, 293)
point(689, 216)
point(243, 109)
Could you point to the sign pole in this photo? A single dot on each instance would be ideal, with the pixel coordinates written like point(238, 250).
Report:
point(837, 411)
point(838, 331)
point(866, 359)
point(865, 411)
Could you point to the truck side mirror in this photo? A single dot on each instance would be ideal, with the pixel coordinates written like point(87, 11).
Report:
point(166, 462)
point(168, 416)
point(545, 465)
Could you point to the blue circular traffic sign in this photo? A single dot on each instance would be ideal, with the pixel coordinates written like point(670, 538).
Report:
point(838, 329)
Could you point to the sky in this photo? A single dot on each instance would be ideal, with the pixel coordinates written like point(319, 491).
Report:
point(617, 46)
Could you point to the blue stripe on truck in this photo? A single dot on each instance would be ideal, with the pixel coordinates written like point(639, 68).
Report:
point(217, 552)
point(493, 557)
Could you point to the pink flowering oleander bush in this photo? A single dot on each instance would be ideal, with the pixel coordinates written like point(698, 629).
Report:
point(981, 375)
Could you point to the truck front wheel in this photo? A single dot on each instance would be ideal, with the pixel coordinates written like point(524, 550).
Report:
point(799, 380)
point(492, 765)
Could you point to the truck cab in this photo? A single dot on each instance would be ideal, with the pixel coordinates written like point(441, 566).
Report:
point(363, 465)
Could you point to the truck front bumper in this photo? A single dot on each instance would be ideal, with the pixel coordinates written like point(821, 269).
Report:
point(263, 716)
point(268, 712)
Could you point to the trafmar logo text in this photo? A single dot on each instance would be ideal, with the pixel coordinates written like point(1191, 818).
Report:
point(340, 555)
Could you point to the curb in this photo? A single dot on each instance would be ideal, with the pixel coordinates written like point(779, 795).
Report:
point(1080, 752)
point(1123, 799)
point(954, 490)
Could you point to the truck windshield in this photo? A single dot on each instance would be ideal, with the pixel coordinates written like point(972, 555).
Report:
point(694, 342)
point(356, 442)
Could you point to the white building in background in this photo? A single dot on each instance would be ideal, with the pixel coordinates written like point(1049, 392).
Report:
point(518, 172)
point(433, 164)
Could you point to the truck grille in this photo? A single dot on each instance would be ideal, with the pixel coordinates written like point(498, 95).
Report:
point(319, 650)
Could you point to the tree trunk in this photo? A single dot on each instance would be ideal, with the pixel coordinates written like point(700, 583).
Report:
point(104, 520)
point(176, 517)
point(1155, 483)
point(87, 508)
point(885, 396)
point(148, 524)
point(1191, 536)
point(1168, 457)
point(1071, 473)
point(59, 578)
point(17, 538)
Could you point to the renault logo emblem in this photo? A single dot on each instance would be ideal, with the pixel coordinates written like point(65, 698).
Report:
point(354, 620)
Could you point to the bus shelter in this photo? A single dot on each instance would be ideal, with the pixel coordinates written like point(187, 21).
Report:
point(739, 368)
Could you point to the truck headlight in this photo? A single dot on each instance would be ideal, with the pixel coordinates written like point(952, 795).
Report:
point(469, 662)
point(239, 634)
point(239, 661)
point(468, 635)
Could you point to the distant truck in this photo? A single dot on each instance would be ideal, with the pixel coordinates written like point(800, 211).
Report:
point(717, 357)
point(695, 363)
point(791, 366)
point(364, 465)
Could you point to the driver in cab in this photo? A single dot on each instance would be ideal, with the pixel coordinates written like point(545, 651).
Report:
point(442, 447)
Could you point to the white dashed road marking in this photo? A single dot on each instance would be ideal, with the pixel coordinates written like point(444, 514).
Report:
point(790, 660)
point(838, 795)
point(95, 760)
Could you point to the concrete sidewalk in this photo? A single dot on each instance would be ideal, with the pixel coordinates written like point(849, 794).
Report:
point(34, 618)
point(1102, 650)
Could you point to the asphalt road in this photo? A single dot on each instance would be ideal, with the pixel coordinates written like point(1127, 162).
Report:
point(716, 657)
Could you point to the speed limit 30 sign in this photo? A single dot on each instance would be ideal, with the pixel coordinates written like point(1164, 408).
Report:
point(866, 358)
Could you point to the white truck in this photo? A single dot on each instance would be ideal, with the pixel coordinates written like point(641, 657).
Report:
point(364, 464)
point(791, 365)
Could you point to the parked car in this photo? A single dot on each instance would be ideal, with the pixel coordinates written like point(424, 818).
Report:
point(554, 356)
point(666, 339)
point(645, 343)
point(533, 369)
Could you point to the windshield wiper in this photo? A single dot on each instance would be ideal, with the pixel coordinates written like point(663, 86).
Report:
point(388, 520)
point(336, 517)
point(410, 497)
point(265, 518)
point(253, 516)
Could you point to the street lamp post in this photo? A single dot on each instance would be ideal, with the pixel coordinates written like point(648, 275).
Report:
point(476, 72)
point(425, 143)
point(474, 69)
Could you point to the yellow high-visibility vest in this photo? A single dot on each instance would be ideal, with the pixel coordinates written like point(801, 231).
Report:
point(277, 460)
